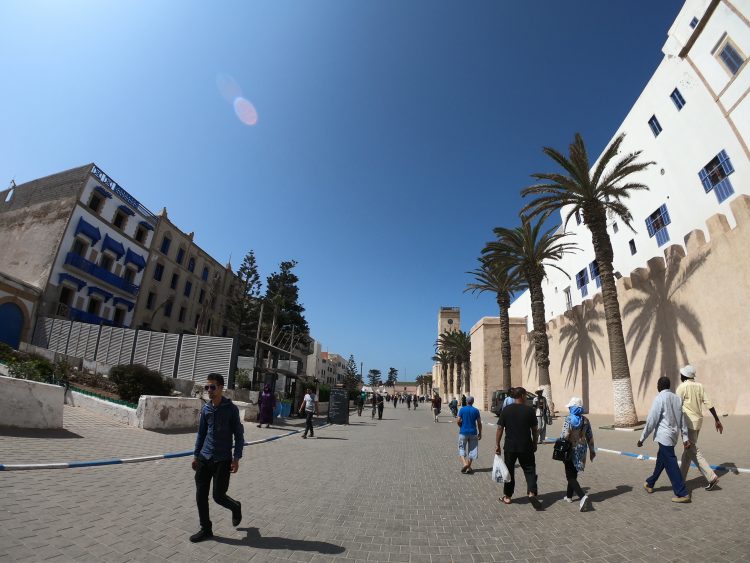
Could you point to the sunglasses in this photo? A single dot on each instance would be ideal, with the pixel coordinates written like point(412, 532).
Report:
point(210, 387)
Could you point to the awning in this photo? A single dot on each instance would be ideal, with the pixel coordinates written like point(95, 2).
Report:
point(102, 191)
point(87, 229)
point(113, 246)
point(72, 279)
point(125, 209)
point(136, 259)
point(121, 301)
point(106, 294)
point(146, 225)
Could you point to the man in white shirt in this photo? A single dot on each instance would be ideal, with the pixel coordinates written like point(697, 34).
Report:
point(310, 407)
point(694, 400)
point(667, 422)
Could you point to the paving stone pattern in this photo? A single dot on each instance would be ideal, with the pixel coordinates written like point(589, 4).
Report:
point(385, 490)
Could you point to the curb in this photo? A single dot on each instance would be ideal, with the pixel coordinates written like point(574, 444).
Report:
point(100, 462)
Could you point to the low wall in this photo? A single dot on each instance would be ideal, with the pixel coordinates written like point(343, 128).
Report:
point(168, 413)
point(112, 411)
point(28, 404)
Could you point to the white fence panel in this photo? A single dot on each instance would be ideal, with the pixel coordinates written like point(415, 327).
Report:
point(83, 340)
point(157, 351)
point(115, 345)
point(201, 355)
point(43, 332)
point(59, 338)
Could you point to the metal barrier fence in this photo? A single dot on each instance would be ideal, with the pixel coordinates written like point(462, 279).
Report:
point(184, 356)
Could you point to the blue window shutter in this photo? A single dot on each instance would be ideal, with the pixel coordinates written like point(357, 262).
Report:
point(665, 214)
point(703, 175)
point(649, 226)
point(725, 163)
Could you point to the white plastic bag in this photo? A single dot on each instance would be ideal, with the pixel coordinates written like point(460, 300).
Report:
point(500, 473)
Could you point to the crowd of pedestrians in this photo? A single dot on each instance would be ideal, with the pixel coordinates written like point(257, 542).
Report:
point(674, 417)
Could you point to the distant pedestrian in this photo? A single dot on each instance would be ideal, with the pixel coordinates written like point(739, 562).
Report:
point(542, 412)
point(694, 400)
point(408, 402)
point(415, 400)
point(666, 421)
point(381, 406)
point(436, 404)
point(395, 401)
point(212, 457)
point(310, 407)
point(463, 400)
point(453, 405)
point(360, 402)
point(470, 432)
point(577, 430)
point(266, 404)
point(374, 404)
point(510, 397)
point(518, 422)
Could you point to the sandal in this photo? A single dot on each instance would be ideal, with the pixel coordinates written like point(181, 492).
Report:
point(506, 500)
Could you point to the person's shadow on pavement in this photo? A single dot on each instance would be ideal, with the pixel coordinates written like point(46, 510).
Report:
point(254, 539)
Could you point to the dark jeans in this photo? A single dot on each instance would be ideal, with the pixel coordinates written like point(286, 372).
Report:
point(528, 464)
point(219, 472)
point(666, 459)
point(359, 410)
point(308, 423)
point(571, 474)
point(380, 412)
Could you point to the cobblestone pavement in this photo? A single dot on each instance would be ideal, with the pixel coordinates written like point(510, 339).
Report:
point(385, 490)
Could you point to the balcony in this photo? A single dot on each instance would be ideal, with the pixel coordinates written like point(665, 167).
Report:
point(106, 276)
point(86, 317)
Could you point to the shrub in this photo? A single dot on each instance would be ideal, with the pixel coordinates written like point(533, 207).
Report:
point(242, 379)
point(6, 353)
point(136, 380)
point(34, 369)
point(95, 380)
point(324, 393)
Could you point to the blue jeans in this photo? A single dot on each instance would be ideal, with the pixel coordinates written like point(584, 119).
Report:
point(666, 459)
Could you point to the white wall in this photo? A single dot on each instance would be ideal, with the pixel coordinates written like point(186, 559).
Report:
point(168, 413)
point(690, 138)
point(28, 404)
point(111, 411)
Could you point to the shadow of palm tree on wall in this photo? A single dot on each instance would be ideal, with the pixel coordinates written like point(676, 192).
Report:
point(656, 319)
point(529, 360)
point(580, 348)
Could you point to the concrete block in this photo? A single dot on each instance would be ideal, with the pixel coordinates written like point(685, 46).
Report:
point(168, 413)
point(28, 404)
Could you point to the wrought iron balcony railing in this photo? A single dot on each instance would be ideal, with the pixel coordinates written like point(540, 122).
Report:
point(89, 267)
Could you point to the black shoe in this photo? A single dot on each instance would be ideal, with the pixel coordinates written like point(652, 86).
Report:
point(237, 516)
point(201, 536)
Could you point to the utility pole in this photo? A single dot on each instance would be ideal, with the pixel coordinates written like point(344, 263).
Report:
point(257, 344)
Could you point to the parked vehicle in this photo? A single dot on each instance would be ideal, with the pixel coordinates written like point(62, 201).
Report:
point(499, 396)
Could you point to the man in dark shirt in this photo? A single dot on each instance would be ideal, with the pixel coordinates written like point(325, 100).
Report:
point(213, 460)
point(518, 422)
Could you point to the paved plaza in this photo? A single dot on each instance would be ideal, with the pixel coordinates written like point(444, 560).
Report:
point(387, 490)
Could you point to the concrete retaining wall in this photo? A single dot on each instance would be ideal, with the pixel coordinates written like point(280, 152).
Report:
point(168, 413)
point(28, 404)
point(112, 411)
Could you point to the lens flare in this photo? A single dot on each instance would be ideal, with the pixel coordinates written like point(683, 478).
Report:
point(245, 111)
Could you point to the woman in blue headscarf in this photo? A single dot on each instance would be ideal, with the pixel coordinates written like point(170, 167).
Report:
point(577, 431)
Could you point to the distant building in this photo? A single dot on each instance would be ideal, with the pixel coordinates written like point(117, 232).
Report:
point(81, 239)
point(184, 289)
point(326, 367)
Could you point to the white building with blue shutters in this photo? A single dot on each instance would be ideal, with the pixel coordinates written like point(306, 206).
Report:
point(693, 120)
point(81, 239)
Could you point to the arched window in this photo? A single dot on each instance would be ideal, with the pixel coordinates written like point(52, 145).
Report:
point(191, 264)
point(204, 275)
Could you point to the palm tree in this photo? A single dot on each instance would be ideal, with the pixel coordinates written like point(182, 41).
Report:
point(493, 277)
point(445, 344)
point(460, 345)
point(527, 251)
point(596, 193)
point(443, 358)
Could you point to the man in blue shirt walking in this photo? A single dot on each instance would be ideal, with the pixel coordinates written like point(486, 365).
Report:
point(470, 424)
point(213, 459)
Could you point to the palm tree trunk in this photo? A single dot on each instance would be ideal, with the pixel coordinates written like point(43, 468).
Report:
point(451, 367)
point(459, 379)
point(467, 372)
point(503, 302)
point(624, 405)
point(541, 345)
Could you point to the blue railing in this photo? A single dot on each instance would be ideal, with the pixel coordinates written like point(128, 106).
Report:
point(86, 317)
point(122, 193)
point(97, 271)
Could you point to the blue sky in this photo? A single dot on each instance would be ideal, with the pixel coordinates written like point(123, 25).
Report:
point(392, 135)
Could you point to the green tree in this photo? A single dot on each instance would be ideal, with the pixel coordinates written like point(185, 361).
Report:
point(243, 305)
point(596, 194)
point(392, 377)
point(373, 378)
point(443, 344)
point(443, 358)
point(527, 251)
point(282, 293)
point(458, 344)
point(492, 277)
point(352, 377)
